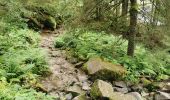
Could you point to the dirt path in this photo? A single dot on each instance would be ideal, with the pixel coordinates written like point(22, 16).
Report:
point(65, 78)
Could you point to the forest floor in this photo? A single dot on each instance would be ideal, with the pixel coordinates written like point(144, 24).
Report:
point(65, 78)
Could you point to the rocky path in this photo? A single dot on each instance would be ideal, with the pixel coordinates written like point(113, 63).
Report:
point(65, 79)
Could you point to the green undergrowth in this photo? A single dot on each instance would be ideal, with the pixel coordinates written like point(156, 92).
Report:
point(22, 62)
point(84, 44)
point(16, 92)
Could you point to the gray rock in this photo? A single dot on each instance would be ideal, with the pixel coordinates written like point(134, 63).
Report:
point(86, 86)
point(162, 96)
point(82, 77)
point(122, 90)
point(136, 95)
point(75, 90)
point(121, 84)
point(69, 96)
point(80, 97)
point(79, 64)
point(121, 96)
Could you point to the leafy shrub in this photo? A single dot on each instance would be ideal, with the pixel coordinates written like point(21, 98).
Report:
point(16, 92)
point(21, 63)
point(85, 44)
point(17, 63)
point(18, 39)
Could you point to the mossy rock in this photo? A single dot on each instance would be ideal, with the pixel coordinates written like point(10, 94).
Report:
point(101, 90)
point(100, 69)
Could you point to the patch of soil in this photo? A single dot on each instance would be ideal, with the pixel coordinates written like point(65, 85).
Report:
point(64, 74)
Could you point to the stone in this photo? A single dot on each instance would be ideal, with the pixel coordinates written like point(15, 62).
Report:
point(101, 89)
point(136, 95)
point(82, 77)
point(164, 86)
point(79, 64)
point(73, 60)
point(56, 54)
point(137, 87)
point(80, 97)
point(120, 84)
point(75, 90)
point(162, 96)
point(122, 90)
point(121, 96)
point(99, 69)
point(69, 96)
point(86, 86)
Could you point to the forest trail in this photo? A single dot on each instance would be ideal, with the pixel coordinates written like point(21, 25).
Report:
point(65, 78)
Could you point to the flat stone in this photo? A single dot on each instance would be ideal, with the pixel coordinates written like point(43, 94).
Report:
point(121, 84)
point(122, 90)
point(75, 90)
point(121, 96)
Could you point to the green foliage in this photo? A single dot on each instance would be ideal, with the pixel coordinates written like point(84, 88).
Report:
point(21, 63)
point(17, 39)
point(16, 92)
point(85, 44)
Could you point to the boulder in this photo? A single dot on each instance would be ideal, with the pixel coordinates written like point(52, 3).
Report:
point(100, 90)
point(100, 69)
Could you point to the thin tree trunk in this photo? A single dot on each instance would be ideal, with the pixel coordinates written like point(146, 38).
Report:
point(98, 10)
point(125, 4)
point(132, 28)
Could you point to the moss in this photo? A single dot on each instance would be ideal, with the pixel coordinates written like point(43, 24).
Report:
point(95, 92)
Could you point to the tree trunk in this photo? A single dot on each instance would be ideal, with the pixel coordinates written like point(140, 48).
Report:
point(98, 10)
point(125, 7)
point(132, 28)
point(125, 4)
